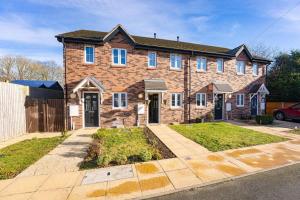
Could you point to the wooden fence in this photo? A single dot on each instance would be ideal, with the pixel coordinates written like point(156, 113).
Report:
point(44, 115)
point(12, 110)
point(272, 106)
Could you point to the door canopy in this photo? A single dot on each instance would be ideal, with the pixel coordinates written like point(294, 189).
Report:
point(89, 83)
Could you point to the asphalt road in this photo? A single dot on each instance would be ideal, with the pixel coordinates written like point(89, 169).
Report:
point(278, 184)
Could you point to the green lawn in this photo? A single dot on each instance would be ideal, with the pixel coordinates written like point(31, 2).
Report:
point(219, 136)
point(119, 146)
point(17, 157)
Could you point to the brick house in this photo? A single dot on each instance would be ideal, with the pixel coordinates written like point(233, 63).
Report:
point(114, 78)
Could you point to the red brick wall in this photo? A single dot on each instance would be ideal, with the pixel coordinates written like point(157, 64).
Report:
point(130, 79)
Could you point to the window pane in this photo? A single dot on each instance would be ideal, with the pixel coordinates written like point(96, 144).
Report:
point(203, 64)
point(178, 61)
point(220, 65)
point(173, 99)
point(89, 54)
point(115, 54)
point(152, 59)
point(123, 100)
point(242, 100)
point(198, 99)
point(178, 99)
point(173, 60)
point(255, 69)
point(203, 100)
point(116, 100)
point(123, 56)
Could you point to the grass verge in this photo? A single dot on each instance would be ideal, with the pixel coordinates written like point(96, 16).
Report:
point(17, 157)
point(121, 146)
point(219, 136)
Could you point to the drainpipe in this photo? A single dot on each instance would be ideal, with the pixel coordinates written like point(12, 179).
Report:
point(66, 88)
point(190, 85)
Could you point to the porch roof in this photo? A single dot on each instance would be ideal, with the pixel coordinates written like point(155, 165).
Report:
point(155, 85)
point(222, 88)
point(87, 81)
point(259, 88)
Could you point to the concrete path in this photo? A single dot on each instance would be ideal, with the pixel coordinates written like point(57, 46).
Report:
point(66, 157)
point(27, 137)
point(178, 144)
point(279, 128)
point(191, 169)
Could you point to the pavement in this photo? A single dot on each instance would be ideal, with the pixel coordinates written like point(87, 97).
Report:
point(66, 157)
point(277, 184)
point(194, 166)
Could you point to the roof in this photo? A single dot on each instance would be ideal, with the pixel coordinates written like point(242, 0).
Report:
point(222, 88)
point(39, 84)
point(155, 84)
point(89, 79)
point(259, 88)
point(147, 42)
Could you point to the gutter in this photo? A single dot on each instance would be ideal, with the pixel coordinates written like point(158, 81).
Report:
point(66, 86)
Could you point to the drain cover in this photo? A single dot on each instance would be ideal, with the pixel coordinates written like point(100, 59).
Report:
point(107, 174)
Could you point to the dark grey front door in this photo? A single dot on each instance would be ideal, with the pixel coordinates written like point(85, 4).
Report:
point(254, 105)
point(91, 107)
point(153, 108)
point(219, 106)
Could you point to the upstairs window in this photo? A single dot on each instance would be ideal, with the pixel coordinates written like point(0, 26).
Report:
point(220, 65)
point(175, 61)
point(151, 59)
point(240, 67)
point(255, 69)
point(119, 100)
point(201, 64)
point(201, 99)
point(119, 56)
point(240, 100)
point(176, 100)
point(89, 54)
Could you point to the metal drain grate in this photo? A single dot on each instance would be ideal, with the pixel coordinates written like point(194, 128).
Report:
point(107, 174)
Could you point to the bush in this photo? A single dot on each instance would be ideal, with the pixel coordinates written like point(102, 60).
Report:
point(156, 155)
point(264, 119)
point(120, 159)
point(103, 160)
point(145, 155)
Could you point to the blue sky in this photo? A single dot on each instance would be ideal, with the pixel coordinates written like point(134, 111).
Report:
point(28, 27)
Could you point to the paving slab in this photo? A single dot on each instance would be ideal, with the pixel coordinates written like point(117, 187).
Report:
point(155, 183)
point(58, 181)
point(24, 185)
point(5, 183)
point(92, 191)
point(148, 168)
point(24, 196)
point(124, 189)
point(56, 194)
point(108, 174)
point(183, 178)
point(172, 164)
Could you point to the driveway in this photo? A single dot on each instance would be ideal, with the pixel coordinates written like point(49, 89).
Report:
point(276, 184)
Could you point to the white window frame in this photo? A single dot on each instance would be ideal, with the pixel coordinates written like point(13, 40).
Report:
point(149, 53)
point(176, 100)
point(205, 100)
point(201, 59)
point(176, 56)
point(243, 71)
point(119, 100)
point(239, 97)
point(87, 62)
point(256, 72)
point(222, 65)
point(119, 57)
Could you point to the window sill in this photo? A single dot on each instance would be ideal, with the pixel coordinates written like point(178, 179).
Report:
point(201, 107)
point(255, 75)
point(177, 70)
point(201, 71)
point(240, 106)
point(151, 68)
point(118, 66)
point(120, 109)
point(89, 63)
point(240, 74)
point(220, 73)
point(176, 108)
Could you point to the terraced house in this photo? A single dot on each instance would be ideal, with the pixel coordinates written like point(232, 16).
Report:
point(115, 79)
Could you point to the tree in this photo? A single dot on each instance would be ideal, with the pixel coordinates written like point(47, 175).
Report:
point(19, 67)
point(283, 78)
point(264, 51)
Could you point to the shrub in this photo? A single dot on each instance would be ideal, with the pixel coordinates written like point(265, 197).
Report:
point(145, 155)
point(264, 119)
point(156, 155)
point(120, 159)
point(103, 160)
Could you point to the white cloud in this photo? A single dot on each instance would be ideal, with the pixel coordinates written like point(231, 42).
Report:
point(16, 29)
